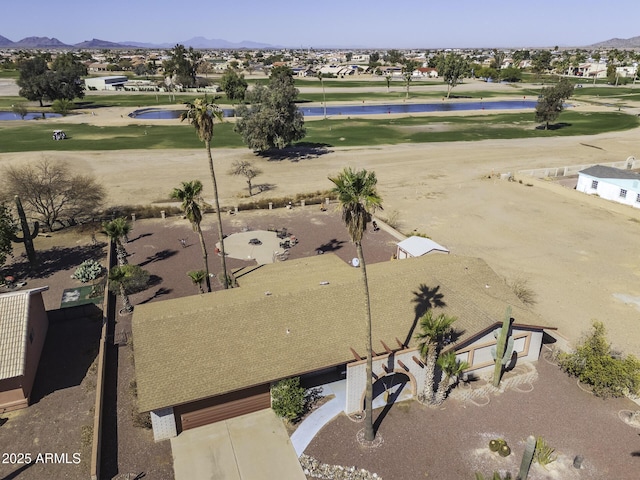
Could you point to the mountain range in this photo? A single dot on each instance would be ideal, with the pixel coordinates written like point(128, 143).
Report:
point(195, 42)
point(216, 43)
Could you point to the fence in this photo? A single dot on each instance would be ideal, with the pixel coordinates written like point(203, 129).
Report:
point(551, 172)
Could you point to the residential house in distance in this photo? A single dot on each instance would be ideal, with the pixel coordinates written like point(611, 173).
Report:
point(23, 328)
point(622, 186)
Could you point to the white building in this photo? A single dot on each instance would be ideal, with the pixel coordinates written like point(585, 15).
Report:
point(114, 82)
point(610, 183)
point(417, 246)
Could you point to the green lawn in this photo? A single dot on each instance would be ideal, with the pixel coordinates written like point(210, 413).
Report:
point(36, 135)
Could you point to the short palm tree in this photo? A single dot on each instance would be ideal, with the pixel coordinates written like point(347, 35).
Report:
point(431, 337)
point(189, 195)
point(451, 368)
point(197, 277)
point(125, 280)
point(117, 230)
point(356, 191)
point(201, 114)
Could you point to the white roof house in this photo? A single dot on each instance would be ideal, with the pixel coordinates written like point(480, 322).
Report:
point(417, 246)
point(23, 327)
point(622, 186)
point(112, 82)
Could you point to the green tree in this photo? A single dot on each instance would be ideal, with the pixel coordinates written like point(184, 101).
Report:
point(541, 62)
point(8, 229)
point(408, 67)
point(182, 65)
point(393, 57)
point(247, 170)
point(356, 191)
point(62, 106)
point(63, 81)
point(288, 399)
point(433, 332)
point(197, 277)
point(452, 68)
point(33, 79)
point(273, 121)
point(451, 369)
point(324, 97)
point(126, 280)
point(118, 230)
point(201, 114)
point(233, 85)
point(20, 108)
point(191, 200)
point(511, 74)
point(551, 101)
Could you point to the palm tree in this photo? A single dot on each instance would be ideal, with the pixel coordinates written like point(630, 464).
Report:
point(197, 277)
point(189, 195)
point(451, 369)
point(324, 98)
point(431, 338)
point(117, 230)
point(125, 280)
point(358, 199)
point(201, 115)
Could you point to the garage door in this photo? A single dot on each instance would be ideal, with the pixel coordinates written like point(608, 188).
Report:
point(223, 407)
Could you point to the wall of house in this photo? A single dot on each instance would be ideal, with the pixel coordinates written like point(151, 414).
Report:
point(610, 189)
point(12, 395)
point(36, 335)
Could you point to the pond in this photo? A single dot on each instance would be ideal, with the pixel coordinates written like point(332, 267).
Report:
point(339, 110)
point(28, 116)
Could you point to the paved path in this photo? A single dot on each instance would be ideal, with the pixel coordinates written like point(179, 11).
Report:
point(251, 447)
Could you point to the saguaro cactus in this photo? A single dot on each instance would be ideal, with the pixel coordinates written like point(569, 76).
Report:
point(27, 235)
point(504, 348)
point(527, 458)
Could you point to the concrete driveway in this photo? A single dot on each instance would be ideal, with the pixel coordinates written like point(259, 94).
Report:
point(251, 447)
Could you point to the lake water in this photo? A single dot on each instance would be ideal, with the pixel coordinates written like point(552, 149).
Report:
point(28, 116)
point(345, 110)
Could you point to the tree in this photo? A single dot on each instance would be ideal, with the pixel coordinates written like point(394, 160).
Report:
point(288, 398)
point(393, 57)
point(197, 277)
point(452, 68)
point(201, 114)
point(324, 98)
point(117, 230)
point(408, 68)
point(431, 338)
point(541, 62)
point(356, 191)
point(551, 101)
point(53, 193)
point(63, 81)
point(233, 85)
point(62, 106)
point(387, 77)
point(32, 79)
point(189, 195)
point(451, 369)
point(247, 170)
point(8, 229)
point(273, 121)
point(20, 109)
point(126, 280)
point(511, 74)
point(182, 65)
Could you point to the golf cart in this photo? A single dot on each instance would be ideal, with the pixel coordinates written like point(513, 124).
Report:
point(59, 135)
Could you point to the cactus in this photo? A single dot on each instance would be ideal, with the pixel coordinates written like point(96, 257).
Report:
point(504, 348)
point(527, 458)
point(27, 236)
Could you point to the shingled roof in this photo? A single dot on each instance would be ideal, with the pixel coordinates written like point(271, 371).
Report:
point(602, 171)
point(14, 327)
point(300, 316)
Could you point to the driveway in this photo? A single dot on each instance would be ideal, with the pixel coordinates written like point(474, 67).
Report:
point(251, 447)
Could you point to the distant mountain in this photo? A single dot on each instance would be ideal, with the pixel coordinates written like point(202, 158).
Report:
point(40, 42)
point(633, 42)
point(201, 42)
point(5, 42)
point(95, 43)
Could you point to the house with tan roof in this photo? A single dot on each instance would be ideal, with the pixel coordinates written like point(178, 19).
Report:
point(205, 358)
point(23, 328)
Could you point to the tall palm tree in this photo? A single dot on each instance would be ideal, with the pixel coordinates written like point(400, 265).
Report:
point(358, 199)
point(451, 368)
point(197, 277)
point(201, 114)
point(189, 195)
point(431, 337)
point(324, 98)
point(117, 230)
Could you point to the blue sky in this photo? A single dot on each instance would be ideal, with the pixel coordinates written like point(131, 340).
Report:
point(316, 23)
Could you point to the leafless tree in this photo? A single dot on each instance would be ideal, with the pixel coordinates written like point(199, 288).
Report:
point(52, 192)
point(247, 170)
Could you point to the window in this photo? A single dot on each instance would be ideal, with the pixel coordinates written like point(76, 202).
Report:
point(594, 184)
point(623, 193)
point(638, 198)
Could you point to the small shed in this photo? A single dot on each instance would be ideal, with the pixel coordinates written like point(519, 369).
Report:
point(417, 246)
point(23, 328)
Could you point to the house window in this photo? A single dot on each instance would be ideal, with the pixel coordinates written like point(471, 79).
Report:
point(623, 193)
point(638, 198)
point(594, 184)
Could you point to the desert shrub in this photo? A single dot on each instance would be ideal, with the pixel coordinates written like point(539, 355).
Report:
point(391, 218)
point(310, 198)
point(543, 453)
point(521, 288)
point(595, 364)
point(288, 398)
point(142, 211)
point(88, 271)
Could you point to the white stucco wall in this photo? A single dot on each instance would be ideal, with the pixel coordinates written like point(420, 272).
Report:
point(609, 189)
point(163, 422)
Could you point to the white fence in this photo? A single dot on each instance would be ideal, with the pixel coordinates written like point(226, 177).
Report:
point(629, 164)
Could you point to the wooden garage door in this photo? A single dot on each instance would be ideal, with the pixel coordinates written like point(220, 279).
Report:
point(224, 407)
